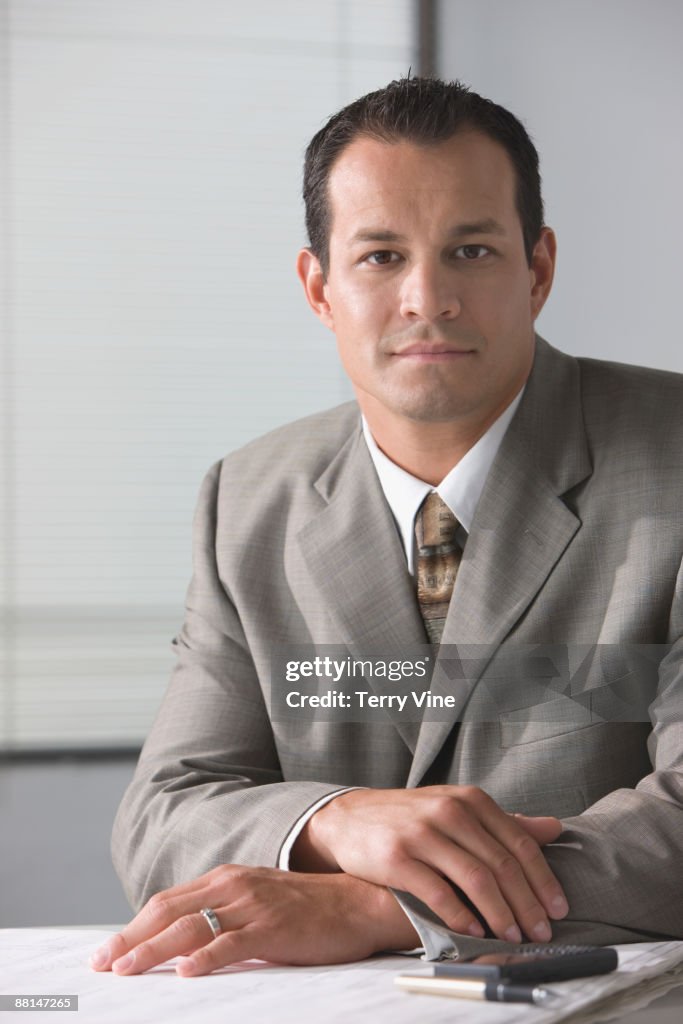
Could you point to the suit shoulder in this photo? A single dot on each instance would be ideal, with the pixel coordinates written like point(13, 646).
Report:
point(604, 375)
point(302, 447)
point(632, 400)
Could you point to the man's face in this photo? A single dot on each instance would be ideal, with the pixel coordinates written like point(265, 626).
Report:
point(429, 291)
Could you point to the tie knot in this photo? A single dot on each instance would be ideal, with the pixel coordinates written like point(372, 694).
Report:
point(435, 524)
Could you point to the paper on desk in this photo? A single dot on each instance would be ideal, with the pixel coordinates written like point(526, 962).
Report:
point(52, 961)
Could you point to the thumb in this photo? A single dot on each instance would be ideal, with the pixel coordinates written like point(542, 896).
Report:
point(543, 829)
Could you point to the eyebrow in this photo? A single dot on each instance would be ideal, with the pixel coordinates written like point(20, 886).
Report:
point(488, 226)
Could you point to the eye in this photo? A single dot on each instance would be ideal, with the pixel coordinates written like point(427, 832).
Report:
point(472, 253)
point(381, 258)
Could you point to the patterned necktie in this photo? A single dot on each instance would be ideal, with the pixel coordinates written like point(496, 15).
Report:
point(438, 558)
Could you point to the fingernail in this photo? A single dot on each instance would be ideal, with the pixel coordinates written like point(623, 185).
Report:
point(185, 965)
point(476, 929)
point(124, 962)
point(513, 934)
point(541, 931)
point(100, 958)
point(560, 905)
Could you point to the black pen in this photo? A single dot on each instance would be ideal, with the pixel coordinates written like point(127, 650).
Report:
point(466, 988)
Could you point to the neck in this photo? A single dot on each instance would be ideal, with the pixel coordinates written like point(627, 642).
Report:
point(428, 451)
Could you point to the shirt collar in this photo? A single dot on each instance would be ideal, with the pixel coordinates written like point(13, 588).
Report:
point(460, 489)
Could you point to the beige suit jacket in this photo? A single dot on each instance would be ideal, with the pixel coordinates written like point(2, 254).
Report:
point(577, 539)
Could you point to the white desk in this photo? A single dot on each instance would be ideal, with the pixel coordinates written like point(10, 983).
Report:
point(52, 961)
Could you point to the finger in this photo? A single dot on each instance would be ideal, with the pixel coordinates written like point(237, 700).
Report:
point(476, 880)
point(187, 934)
point(158, 914)
point(423, 881)
point(229, 948)
point(467, 833)
point(525, 851)
point(543, 829)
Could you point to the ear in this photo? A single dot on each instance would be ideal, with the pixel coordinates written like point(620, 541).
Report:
point(312, 278)
point(542, 270)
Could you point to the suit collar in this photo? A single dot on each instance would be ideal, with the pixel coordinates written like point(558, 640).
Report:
point(353, 553)
point(355, 560)
point(548, 432)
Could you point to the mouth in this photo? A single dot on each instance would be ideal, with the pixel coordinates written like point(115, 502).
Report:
point(425, 353)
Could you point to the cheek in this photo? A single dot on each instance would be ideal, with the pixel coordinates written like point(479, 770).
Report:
point(502, 305)
point(361, 310)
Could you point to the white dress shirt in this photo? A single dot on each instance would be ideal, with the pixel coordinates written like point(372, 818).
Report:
point(460, 489)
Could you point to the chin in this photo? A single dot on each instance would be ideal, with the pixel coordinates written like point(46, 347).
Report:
point(431, 407)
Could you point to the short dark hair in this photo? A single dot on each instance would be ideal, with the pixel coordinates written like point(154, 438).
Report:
point(425, 111)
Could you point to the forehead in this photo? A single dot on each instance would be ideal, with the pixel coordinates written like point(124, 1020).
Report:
point(469, 176)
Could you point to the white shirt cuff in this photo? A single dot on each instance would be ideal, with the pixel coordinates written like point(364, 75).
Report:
point(286, 849)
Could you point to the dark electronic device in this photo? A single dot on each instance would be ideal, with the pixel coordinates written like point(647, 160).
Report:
point(534, 964)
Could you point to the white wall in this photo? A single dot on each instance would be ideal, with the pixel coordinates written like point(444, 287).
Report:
point(599, 85)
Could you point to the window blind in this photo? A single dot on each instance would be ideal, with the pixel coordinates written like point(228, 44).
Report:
point(151, 165)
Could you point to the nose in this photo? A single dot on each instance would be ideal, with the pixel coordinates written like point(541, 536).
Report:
point(429, 293)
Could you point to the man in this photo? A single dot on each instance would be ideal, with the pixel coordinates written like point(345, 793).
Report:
point(544, 495)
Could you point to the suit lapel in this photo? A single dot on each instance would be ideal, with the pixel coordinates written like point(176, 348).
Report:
point(521, 529)
point(355, 561)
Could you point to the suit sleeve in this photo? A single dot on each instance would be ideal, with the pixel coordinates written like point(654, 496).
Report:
point(619, 862)
point(208, 788)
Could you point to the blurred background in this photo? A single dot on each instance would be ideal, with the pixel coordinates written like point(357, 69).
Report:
point(150, 215)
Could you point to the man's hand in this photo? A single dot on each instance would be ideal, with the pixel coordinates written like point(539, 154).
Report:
point(265, 914)
point(420, 839)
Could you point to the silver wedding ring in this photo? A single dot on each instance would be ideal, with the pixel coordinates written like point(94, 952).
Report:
point(210, 917)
